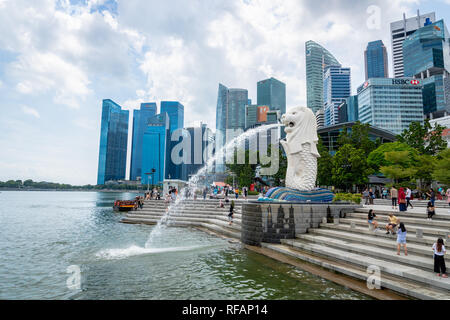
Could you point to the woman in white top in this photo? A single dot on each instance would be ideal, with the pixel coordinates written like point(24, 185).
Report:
point(439, 261)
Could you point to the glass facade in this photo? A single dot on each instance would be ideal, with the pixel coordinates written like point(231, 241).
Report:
point(317, 58)
point(376, 61)
point(175, 111)
point(336, 89)
point(390, 104)
point(155, 139)
point(427, 56)
point(200, 138)
point(140, 121)
point(230, 114)
point(113, 143)
point(272, 92)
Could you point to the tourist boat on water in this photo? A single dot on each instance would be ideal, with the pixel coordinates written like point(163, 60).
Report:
point(124, 205)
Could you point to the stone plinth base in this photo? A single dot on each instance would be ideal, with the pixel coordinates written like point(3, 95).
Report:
point(270, 222)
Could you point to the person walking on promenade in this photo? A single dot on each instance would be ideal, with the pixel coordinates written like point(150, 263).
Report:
point(393, 222)
point(401, 200)
point(236, 192)
point(244, 190)
point(439, 261)
point(431, 195)
point(408, 198)
point(204, 193)
point(385, 193)
point(431, 210)
point(230, 215)
point(394, 196)
point(448, 198)
point(366, 197)
point(401, 238)
point(371, 196)
point(371, 219)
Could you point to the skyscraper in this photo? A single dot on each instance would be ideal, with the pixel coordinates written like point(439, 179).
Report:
point(375, 60)
point(175, 111)
point(230, 114)
point(200, 138)
point(317, 58)
point(336, 89)
point(112, 158)
point(399, 31)
point(427, 57)
point(155, 141)
point(140, 121)
point(272, 92)
point(390, 104)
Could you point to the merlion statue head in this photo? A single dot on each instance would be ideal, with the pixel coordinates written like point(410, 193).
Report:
point(300, 127)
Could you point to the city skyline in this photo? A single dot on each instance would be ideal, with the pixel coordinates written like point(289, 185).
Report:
point(106, 53)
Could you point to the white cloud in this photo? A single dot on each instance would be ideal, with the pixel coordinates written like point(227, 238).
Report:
point(31, 111)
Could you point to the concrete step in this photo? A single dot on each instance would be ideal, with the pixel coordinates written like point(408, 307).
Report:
point(426, 278)
point(418, 261)
point(401, 285)
point(186, 217)
point(192, 221)
point(383, 218)
point(429, 230)
point(410, 238)
point(444, 216)
point(386, 243)
point(415, 203)
point(184, 213)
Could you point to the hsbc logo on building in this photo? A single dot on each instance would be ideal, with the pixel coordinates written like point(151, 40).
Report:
point(414, 82)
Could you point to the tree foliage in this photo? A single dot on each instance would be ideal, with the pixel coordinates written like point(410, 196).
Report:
point(377, 159)
point(324, 165)
point(441, 170)
point(424, 138)
point(358, 137)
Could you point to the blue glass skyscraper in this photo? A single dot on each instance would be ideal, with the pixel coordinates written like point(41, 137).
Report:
point(336, 89)
point(376, 61)
point(427, 57)
point(155, 141)
point(272, 92)
point(230, 114)
point(317, 59)
point(175, 111)
point(140, 121)
point(112, 158)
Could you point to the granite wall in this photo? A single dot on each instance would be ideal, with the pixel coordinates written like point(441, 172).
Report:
point(270, 222)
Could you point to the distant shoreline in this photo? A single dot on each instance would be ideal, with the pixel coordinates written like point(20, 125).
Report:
point(74, 190)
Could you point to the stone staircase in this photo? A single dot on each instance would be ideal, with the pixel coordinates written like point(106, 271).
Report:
point(415, 203)
point(195, 213)
point(350, 247)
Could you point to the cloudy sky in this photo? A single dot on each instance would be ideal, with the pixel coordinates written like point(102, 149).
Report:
point(60, 58)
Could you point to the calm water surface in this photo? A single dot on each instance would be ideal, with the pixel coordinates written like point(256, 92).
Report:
point(43, 233)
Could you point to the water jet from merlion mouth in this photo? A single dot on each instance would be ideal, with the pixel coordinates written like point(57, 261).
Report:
point(193, 181)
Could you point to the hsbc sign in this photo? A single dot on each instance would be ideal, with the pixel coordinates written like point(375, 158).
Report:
point(413, 82)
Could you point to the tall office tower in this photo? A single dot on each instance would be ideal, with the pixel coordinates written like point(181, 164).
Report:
point(140, 121)
point(317, 59)
point(200, 139)
point(255, 115)
point(112, 158)
point(375, 60)
point(336, 89)
point(399, 31)
point(272, 92)
point(427, 57)
point(230, 114)
point(175, 110)
point(320, 118)
point(154, 146)
point(390, 103)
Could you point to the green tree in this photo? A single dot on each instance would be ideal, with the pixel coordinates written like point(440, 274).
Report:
point(349, 168)
point(377, 159)
point(424, 138)
point(424, 165)
point(324, 165)
point(245, 173)
point(401, 166)
point(358, 137)
point(441, 171)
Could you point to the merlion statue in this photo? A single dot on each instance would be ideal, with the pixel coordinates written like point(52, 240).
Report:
point(300, 147)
